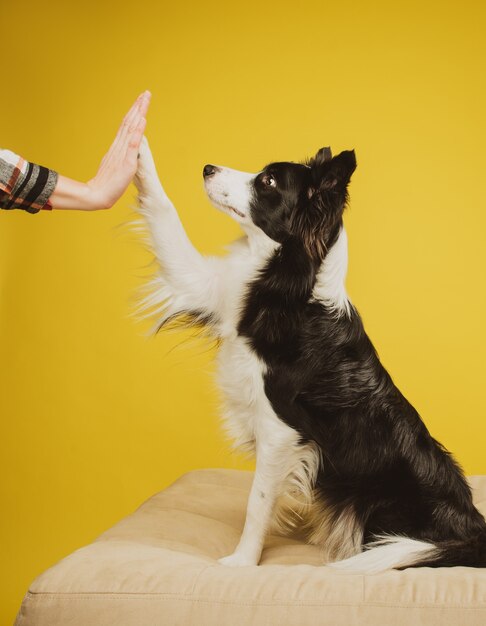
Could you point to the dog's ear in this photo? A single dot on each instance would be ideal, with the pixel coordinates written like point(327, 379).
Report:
point(323, 155)
point(333, 173)
point(327, 198)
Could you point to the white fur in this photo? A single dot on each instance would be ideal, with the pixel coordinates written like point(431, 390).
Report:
point(230, 191)
point(329, 287)
point(186, 280)
point(340, 537)
point(216, 288)
point(386, 553)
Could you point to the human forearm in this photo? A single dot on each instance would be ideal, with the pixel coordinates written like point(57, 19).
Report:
point(71, 194)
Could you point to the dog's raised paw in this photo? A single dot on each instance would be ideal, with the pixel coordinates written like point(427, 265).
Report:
point(146, 179)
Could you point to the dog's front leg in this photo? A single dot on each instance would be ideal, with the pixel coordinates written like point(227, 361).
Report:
point(188, 282)
point(272, 459)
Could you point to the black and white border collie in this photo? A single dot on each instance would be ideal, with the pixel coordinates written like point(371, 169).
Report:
point(341, 455)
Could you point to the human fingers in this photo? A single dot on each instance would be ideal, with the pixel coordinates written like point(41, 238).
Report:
point(128, 120)
point(134, 116)
point(134, 135)
point(128, 115)
point(145, 103)
point(129, 131)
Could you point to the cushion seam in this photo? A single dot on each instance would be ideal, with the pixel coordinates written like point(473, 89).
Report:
point(174, 596)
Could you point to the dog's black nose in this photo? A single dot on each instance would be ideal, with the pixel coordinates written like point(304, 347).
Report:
point(209, 170)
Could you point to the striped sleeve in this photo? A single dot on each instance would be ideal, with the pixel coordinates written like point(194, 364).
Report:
point(24, 185)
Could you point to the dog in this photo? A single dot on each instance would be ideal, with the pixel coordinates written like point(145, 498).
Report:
point(341, 455)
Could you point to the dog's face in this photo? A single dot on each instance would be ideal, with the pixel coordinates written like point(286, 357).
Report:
point(285, 200)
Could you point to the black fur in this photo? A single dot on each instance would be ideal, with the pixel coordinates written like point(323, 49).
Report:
point(325, 379)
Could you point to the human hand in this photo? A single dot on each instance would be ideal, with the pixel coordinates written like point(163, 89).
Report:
point(119, 164)
point(116, 170)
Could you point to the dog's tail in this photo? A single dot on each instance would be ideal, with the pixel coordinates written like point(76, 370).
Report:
point(391, 552)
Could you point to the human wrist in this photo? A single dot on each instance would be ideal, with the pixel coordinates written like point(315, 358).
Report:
point(72, 194)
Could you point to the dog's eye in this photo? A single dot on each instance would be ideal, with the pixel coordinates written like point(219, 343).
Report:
point(269, 181)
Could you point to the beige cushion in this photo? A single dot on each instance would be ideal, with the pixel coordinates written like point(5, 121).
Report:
point(158, 567)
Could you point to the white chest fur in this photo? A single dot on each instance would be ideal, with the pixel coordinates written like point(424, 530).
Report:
point(240, 372)
point(240, 378)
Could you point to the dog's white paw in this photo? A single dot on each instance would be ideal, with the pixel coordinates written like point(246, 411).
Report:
point(146, 179)
point(236, 560)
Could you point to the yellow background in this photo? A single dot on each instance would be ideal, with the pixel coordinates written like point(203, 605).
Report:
point(95, 417)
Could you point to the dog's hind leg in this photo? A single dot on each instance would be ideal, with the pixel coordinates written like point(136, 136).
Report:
point(188, 282)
